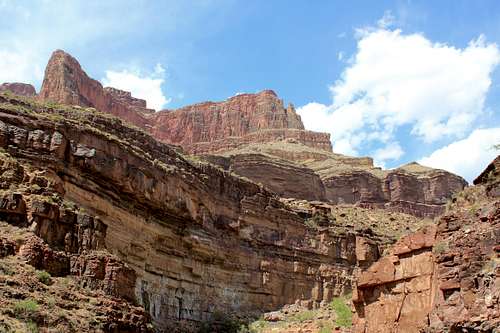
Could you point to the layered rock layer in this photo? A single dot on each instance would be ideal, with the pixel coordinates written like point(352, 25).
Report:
point(247, 125)
point(199, 239)
point(295, 170)
point(20, 89)
point(445, 278)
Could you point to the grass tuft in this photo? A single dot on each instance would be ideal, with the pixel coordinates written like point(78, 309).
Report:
point(343, 312)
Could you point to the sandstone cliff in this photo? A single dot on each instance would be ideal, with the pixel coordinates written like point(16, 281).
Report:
point(256, 136)
point(197, 238)
point(20, 89)
point(445, 278)
point(292, 169)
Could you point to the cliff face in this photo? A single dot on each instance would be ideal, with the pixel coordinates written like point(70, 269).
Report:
point(202, 127)
point(445, 278)
point(65, 82)
point(246, 125)
point(198, 239)
point(21, 89)
point(412, 188)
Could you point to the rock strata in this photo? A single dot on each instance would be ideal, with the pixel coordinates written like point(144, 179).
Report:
point(444, 278)
point(199, 239)
point(21, 89)
point(265, 141)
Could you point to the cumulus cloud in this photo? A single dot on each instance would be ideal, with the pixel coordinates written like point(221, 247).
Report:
point(144, 86)
point(19, 66)
point(392, 151)
point(467, 157)
point(396, 80)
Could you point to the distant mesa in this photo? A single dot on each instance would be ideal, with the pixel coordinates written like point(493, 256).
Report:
point(21, 89)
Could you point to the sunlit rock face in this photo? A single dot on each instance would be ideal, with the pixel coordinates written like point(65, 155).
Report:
point(444, 278)
point(20, 89)
point(256, 136)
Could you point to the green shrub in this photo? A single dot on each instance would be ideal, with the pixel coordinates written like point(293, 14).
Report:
point(343, 312)
point(325, 327)
point(43, 277)
point(25, 307)
point(31, 327)
point(304, 315)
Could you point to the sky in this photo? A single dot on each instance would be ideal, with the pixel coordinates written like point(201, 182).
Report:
point(399, 81)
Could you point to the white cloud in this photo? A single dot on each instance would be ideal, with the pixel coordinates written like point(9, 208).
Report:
point(392, 151)
point(19, 66)
point(398, 80)
point(467, 157)
point(147, 87)
point(340, 56)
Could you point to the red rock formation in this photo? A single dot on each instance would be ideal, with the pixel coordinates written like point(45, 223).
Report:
point(260, 119)
point(443, 279)
point(240, 120)
point(65, 82)
point(21, 89)
point(199, 239)
point(198, 128)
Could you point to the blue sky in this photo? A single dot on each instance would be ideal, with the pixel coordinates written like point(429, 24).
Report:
point(337, 61)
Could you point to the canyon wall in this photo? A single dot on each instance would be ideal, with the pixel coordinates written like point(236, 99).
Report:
point(229, 128)
point(199, 239)
point(445, 278)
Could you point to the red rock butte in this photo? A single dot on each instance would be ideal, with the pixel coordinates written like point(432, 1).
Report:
point(203, 127)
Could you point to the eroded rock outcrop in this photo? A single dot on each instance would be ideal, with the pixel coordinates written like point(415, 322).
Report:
point(20, 89)
point(256, 136)
point(65, 82)
point(445, 278)
point(198, 238)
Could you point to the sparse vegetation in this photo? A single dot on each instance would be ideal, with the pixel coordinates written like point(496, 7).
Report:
point(31, 327)
point(304, 315)
point(44, 277)
point(342, 311)
point(25, 308)
point(440, 247)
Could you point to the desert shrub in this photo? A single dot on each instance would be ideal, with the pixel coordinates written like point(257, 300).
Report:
point(440, 247)
point(25, 307)
point(304, 315)
point(343, 312)
point(43, 277)
point(31, 327)
point(325, 327)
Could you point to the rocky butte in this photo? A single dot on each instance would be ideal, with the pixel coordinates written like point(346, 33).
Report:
point(162, 221)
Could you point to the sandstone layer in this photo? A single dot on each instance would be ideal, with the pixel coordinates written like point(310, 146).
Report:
point(445, 278)
point(198, 239)
point(292, 169)
point(256, 136)
point(20, 89)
